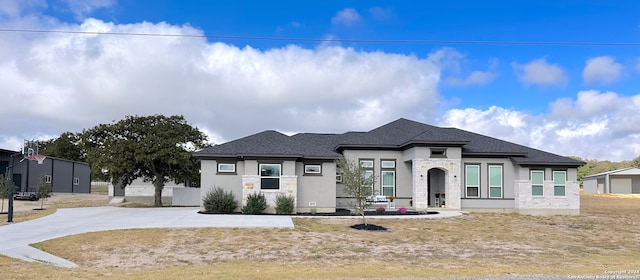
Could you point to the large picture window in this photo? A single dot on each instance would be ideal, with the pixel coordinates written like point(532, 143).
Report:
point(495, 181)
point(559, 182)
point(270, 176)
point(537, 182)
point(472, 179)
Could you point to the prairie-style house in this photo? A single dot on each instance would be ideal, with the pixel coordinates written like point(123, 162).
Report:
point(422, 166)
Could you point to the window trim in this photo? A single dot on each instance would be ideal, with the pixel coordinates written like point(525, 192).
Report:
point(370, 171)
point(220, 171)
point(501, 180)
point(47, 179)
point(338, 178)
point(466, 179)
point(532, 184)
point(361, 161)
point(382, 185)
point(316, 173)
point(263, 177)
point(392, 161)
point(76, 181)
point(438, 152)
point(564, 184)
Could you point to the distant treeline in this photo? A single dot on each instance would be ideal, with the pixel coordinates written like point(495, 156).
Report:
point(594, 166)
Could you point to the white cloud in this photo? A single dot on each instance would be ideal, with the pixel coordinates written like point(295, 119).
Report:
point(602, 70)
point(476, 77)
point(17, 8)
point(539, 72)
point(380, 13)
point(68, 82)
point(594, 126)
point(346, 16)
point(81, 8)
point(590, 103)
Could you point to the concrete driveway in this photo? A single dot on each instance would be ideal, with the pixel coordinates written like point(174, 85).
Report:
point(15, 238)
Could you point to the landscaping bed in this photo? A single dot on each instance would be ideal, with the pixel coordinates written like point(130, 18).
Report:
point(344, 213)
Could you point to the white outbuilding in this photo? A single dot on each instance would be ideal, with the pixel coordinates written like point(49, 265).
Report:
point(622, 181)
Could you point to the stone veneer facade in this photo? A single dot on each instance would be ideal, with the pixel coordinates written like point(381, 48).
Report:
point(288, 186)
point(548, 203)
point(451, 168)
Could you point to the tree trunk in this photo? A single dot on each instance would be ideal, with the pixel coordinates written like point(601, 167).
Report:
point(157, 196)
point(2, 209)
point(42, 204)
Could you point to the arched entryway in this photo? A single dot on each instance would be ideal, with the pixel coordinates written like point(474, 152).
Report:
point(436, 187)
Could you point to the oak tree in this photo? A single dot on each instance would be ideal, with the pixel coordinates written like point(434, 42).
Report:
point(155, 148)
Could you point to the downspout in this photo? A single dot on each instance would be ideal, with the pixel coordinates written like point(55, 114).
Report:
point(73, 174)
point(52, 177)
point(26, 186)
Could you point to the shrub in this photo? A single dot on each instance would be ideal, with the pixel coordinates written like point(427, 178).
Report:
point(219, 201)
point(402, 210)
point(380, 210)
point(256, 203)
point(284, 204)
point(43, 191)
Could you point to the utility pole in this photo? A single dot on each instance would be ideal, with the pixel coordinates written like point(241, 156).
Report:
point(10, 190)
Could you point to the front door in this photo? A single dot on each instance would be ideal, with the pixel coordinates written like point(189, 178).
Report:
point(435, 179)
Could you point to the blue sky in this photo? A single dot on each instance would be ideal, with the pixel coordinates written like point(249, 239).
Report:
point(565, 98)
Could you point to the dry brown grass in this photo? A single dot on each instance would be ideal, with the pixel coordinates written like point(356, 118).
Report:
point(604, 237)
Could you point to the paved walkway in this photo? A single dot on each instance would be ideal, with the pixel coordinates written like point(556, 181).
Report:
point(15, 238)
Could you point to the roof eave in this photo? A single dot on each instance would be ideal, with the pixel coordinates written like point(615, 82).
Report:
point(535, 163)
point(493, 154)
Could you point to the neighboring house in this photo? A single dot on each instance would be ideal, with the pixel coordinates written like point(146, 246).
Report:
point(410, 160)
point(143, 192)
point(65, 176)
point(625, 180)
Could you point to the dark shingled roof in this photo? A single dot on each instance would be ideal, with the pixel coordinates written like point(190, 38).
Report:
point(399, 134)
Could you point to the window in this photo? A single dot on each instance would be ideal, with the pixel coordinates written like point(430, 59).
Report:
point(226, 168)
point(270, 176)
point(76, 181)
point(338, 178)
point(312, 169)
point(368, 177)
point(388, 164)
point(559, 182)
point(47, 178)
point(472, 177)
point(495, 181)
point(366, 163)
point(388, 182)
point(537, 182)
point(438, 152)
